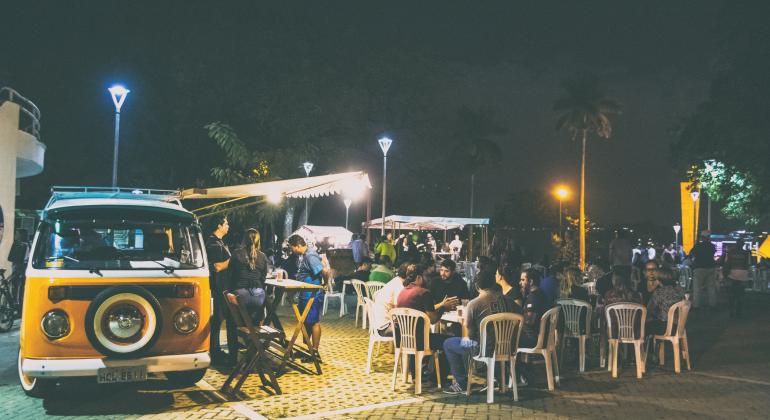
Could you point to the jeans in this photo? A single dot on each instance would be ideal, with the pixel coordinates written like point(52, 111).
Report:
point(704, 289)
point(221, 313)
point(457, 351)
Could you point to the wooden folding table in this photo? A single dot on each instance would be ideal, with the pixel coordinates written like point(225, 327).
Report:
point(294, 286)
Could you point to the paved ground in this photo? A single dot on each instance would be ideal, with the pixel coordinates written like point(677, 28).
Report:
point(730, 379)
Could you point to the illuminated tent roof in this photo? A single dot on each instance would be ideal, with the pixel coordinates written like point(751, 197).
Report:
point(335, 235)
point(348, 183)
point(424, 222)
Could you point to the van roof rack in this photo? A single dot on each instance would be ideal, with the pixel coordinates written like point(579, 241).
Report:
point(72, 192)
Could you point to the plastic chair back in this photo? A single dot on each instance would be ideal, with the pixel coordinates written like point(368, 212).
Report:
point(506, 328)
point(678, 312)
point(407, 321)
point(373, 287)
point(547, 337)
point(572, 310)
point(625, 316)
point(371, 316)
point(590, 287)
point(359, 287)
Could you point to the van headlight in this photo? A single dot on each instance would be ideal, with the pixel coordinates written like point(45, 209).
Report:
point(185, 321)
point(55, 324)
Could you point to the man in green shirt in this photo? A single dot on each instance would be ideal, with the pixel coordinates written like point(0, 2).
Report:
point(381, 272)
point(385, 247)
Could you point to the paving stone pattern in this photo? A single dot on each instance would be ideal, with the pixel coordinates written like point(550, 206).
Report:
point(731, 379)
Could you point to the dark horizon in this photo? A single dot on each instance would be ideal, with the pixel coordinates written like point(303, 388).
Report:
point(192, 65)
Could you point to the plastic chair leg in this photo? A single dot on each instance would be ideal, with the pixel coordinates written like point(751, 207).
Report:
point(514, 380)
point(686, 351)
point(418, 372)
point(395, 366)
point(470, 375)
point(677, 355)
point(490, 381)
point(549, 370)
point(556, 366)
point(639, 360)
point(369, 356)
point(438, 369)
point(582, 356)
point(326, 305)
point(661, 352)
point(614, 347)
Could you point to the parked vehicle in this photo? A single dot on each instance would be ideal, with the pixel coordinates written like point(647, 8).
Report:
point(117, 287)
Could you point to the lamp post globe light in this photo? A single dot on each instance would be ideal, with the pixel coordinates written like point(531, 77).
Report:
point(677, 228)
point(308, 166)
point(347, 202)
point(118, 93)
point(384, 145)
point(562, 193)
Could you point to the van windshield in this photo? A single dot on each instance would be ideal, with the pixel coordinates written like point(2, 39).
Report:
point(118, 245)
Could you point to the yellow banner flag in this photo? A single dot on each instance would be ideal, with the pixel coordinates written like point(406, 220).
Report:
point(690, 210)
point(764, 249)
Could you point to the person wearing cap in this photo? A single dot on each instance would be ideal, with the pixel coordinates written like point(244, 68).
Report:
point(704, 288)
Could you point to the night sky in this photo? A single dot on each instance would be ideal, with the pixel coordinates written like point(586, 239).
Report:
point(188, 65)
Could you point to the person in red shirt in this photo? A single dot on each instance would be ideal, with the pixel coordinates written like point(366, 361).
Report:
point(416, 296)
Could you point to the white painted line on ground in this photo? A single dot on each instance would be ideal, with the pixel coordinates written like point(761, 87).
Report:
point(369, 407)
point(732, 378)
point(246, 411)
point(202, 384)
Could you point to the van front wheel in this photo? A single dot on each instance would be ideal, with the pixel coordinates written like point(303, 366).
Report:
point(185, 378)
point(35, 387)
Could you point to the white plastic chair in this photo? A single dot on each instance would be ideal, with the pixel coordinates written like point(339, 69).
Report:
point(374, 335)
point(331, 294)
point(359, 286)
point(507, 329)
point(405, 322)
point(373, 287)
point(625, 316)
point(572, 309)
point(590, 287)
point(678, 338)
point(546, 345)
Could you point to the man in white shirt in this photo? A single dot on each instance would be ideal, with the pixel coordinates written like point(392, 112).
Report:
point(385, 299)
point(456, 246)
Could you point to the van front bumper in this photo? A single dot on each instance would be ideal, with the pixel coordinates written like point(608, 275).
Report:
point(61, 368)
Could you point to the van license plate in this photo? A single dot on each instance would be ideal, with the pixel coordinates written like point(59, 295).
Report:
point(121, 374)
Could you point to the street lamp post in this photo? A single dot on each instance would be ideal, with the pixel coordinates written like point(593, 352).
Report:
point(694, 194)
point(308, 167)
point(347, 202)
point(561, 193)
point(677, 228)
point(118, 94)
point(384, 145)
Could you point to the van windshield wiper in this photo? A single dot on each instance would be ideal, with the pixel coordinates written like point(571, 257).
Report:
point(94, 270)
point(166, 268)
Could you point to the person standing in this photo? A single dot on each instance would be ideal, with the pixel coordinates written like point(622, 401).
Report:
point(386, 248)
point(621, 250)
point(219, 262)
point(360, 249)
point(310, 269)
point(456, 246)
point(736, 270)
point(704, 289)
point(249, 272)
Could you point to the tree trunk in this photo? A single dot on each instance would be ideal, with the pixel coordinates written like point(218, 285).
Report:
point(288, 221)
point(583, 205)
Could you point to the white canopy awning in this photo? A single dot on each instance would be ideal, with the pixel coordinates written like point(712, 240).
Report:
point(347, 183)
point(424, 222)
point(337, 236)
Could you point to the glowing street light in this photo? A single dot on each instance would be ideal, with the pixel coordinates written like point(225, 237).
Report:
point(677, 228)
point(384, 145)
point(562, 193)
point(695, 194)
point(118, 93)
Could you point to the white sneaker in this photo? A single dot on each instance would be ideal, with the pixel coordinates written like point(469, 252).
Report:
point(454, 389)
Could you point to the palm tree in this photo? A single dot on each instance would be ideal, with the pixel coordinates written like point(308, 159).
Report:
point(584, 110)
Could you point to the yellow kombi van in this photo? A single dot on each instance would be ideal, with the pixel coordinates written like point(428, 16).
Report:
point(117, 287)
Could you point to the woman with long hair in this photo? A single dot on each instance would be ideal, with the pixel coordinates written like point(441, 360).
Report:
point(570, 280)
point(248, 280)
